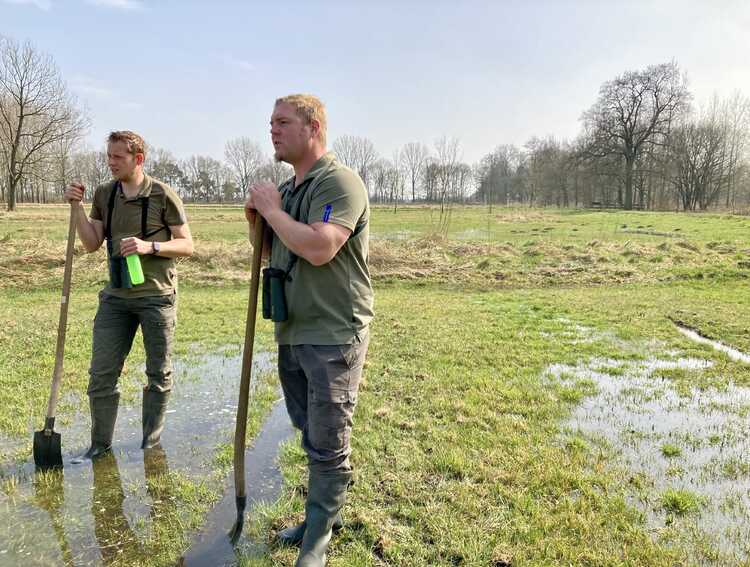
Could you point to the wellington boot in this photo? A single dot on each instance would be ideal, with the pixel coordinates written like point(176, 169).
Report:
point(103, 418)
point(325, 498)
point(154, 413)
point(293, 535)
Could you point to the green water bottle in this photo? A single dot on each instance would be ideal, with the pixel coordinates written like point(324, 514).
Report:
point(134, 269)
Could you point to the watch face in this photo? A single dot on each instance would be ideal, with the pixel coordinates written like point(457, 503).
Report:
point(156, 246)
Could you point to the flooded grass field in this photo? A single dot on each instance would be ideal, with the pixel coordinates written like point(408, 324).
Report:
point(527, 400)
point(118, 510)
point(685, 456)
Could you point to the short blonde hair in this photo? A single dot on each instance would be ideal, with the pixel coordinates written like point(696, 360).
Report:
point(308, 108)
point(134, 142)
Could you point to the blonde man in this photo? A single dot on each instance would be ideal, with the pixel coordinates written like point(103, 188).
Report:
point(133, 214)
point(321, 303)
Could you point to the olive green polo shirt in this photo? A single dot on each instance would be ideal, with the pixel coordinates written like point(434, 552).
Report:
point(329, 304)
point(164, 209)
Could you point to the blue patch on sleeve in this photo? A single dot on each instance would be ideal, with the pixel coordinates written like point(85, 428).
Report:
point(327, 212)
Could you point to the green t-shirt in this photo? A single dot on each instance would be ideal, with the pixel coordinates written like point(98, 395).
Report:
point(329, 304)
point(164, 209)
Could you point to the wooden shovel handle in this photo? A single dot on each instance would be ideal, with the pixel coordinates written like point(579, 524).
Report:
point(247, 361)
point(63, 322)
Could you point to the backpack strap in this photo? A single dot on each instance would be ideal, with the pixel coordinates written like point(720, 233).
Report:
point(144, 218)
point(110, 208)
point(144, 215)
point(306, 191)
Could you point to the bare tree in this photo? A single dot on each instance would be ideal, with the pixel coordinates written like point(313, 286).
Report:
point(413, 159)
point(275, 171)
point(345, 149)
point(496, 174)
point(445, 168)
point(634, 110)
point(736, 124)
point(245, 158)
point(36, 111)
point(62, 166)
point(91, 168)
point(379, 180)
point(702, 163)
point(697, 153)
point(548, 170)
point(461, 182)
point(365, 157)
point(206, 178)
point(356, 152)
point(447, 160)
point(164, 166)
point(386, 182)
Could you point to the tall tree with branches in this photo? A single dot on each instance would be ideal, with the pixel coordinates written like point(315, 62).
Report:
point(634, 110)
point(413, 161)
point(245, 159)
point(36, 112)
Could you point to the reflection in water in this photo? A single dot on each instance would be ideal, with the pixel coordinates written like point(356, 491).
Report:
point(696, 441)
point(50, 496)
point(128, 508)
point(115, 537)
point(211, 546)
point(112, 530)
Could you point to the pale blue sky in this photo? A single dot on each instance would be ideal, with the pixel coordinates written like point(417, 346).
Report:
point(190, 75)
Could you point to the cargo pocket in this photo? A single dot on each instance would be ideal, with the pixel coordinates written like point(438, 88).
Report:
point(331, 399)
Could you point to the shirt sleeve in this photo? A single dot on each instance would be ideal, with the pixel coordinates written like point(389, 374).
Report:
point(340, 199)
point(174, 210)
point(99, 203)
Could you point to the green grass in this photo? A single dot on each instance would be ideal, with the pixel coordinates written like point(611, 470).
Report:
point(680, 502)
point(457, 439)
point(670, 451)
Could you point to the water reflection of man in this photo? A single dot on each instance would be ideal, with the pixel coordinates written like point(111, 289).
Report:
point(49, 495)
point(116, 539)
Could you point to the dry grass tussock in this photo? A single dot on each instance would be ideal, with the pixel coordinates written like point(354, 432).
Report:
point(538, 263)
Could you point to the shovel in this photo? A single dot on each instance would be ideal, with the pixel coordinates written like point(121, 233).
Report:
point(247, 365)
point(47, 451)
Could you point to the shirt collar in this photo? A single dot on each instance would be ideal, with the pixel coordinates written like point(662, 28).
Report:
point(323, 162)
point(143, 191)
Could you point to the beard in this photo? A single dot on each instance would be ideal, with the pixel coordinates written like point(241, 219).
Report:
point(280, 158)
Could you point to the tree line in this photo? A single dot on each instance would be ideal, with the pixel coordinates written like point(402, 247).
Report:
point(643, 144)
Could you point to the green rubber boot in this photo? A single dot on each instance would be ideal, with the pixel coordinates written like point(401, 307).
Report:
point(154, 414)
point(325, 498)
point(293, 536)
point(103, 418)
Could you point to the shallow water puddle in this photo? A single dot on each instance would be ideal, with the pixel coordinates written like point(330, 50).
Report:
point(110, 513)
point(211, 547)
point(732, 353)
point(699, 443)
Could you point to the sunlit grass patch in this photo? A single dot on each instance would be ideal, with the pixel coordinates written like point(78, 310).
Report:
point(670, 451)
point(736, 467)
point(9, 485)
point(680, 502)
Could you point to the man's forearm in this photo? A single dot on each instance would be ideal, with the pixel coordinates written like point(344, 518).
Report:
point(176, 248)
point(299, 238)
point(86, 231)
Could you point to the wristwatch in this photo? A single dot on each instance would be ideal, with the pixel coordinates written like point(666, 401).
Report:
point(155, 247)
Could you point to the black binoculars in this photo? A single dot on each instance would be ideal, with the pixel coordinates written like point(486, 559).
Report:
point(119, 276)
point(274, 302)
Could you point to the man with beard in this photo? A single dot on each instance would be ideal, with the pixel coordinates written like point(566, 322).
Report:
point(321, 300)
point(134, 214)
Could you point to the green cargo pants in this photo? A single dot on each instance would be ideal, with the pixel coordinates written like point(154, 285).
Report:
point(320, 384)
point(115, 325)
